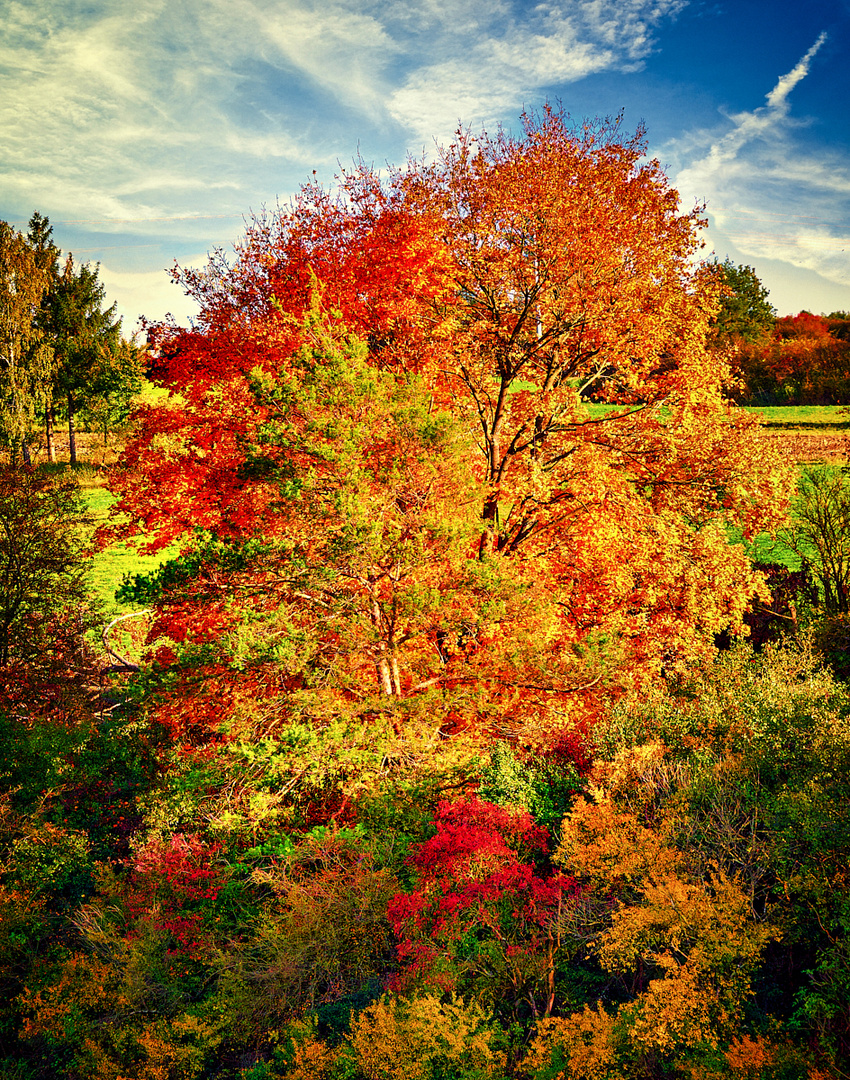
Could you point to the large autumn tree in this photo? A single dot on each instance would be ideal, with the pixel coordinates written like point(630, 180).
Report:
point(509, 280)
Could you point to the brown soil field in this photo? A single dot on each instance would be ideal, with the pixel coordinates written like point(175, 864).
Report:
point(91, 449)
point(809, 447)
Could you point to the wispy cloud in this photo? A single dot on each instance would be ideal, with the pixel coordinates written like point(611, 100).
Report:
point(152, 118)
point(778, 96)
point(121, 92)
point(506, 54)
point(118, 94)
point(769, 194)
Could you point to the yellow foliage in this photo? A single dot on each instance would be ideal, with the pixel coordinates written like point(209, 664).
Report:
point(629, 766)
point(96, 1009)
point(702, 939)
point(685, 946)
point(603, 845)
point(706, 926)
point(176, 1049)
point(395, 1038)
point(312, 1060)
point(673, 1013)
point(584, 1040)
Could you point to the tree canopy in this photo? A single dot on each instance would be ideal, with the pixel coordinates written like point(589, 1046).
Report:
point(505, 284)
point(433, 764)
point(745, 313)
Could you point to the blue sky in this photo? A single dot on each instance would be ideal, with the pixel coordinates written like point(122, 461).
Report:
point(149, 130)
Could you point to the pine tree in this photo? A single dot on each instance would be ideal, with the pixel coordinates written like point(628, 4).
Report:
point(46, 254)
point(85, 334)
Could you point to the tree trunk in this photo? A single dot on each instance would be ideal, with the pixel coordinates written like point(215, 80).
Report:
point(72, 434)
point(490, 514)
point(48, 431)
point(386, 663)
point(490, 511)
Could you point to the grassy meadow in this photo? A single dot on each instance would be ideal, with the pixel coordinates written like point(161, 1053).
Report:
point(113, 564)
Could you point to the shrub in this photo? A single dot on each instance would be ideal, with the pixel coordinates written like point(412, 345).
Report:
point(424, 1038)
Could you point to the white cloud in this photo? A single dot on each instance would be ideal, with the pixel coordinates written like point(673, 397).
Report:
point(502, 56)
point(778, 96)
point(98, 99)
point(132, 116)
point(770, 196)
point(152, 292)
point(93, 97)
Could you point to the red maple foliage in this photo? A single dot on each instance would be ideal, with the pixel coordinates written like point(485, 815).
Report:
point(482, 910)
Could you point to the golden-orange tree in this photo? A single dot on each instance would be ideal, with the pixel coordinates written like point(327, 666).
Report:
point(514, 277)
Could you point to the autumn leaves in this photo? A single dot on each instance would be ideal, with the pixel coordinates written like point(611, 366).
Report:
point(389, 387)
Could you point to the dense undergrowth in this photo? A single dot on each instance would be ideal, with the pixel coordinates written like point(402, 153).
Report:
point(666, 895)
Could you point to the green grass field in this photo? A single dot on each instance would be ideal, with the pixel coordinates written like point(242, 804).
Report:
point(802, 417)
point(110, 566)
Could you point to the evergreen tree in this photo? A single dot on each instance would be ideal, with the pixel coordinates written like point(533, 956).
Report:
point(86, 338)
point(46, 254)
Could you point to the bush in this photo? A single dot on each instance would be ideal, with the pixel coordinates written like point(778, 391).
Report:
point(424, 1038)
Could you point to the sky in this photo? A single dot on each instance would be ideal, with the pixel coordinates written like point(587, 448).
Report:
point(150, 131)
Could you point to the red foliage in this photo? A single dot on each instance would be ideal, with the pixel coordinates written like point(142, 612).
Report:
point(807, 363)
point(171, 882)
point(804, 325)
point(572, 748)
point(477, 876)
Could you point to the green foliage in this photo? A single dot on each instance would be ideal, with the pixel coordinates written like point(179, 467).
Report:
point(54, 860)
point(208, 553)
point(820, 534)
point(400, 813)
point(325, 936)
point(745, 313)
point(87, 338)
point(113, 384)
point(58, 345)
point(41, 562)
point(537, 783)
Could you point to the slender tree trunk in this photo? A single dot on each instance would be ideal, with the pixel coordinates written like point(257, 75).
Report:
point(26, 452)
point(385, 675)
point(396, 675)
point(48, 431)
point(490, 511)
point(72, 433)
point(386, 664)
